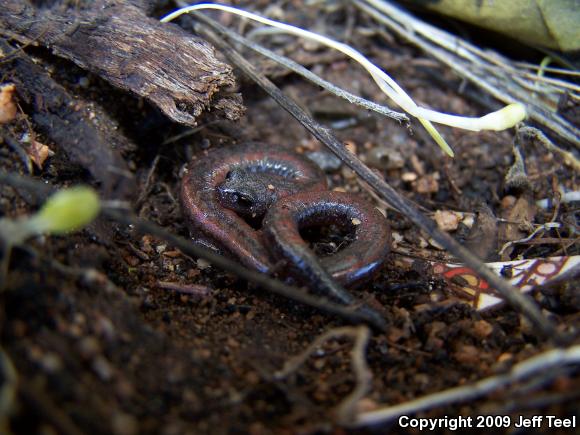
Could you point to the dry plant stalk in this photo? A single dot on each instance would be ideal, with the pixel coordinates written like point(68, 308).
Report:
point(493, 73)
point(506, 117)
point(347, 409)
point(544, 364)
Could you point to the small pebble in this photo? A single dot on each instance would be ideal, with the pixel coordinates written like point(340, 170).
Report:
point(202, 264)
point(482, 328)
point(385, 158)
point(427, 184)
point(447, 220)
point(124, 424)
point(324, 160)
point(103, 368)
point(409, 177)
point(84, 82)
point(351, 146)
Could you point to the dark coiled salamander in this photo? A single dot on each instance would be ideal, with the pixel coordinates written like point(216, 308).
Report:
point(230, 191)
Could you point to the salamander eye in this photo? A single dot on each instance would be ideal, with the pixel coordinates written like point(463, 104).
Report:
point(244, 201)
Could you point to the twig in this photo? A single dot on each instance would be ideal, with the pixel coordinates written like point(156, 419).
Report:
point(199, 291)
point(299, 69)
point(512, 295)
point(13, 143)
point(539, 136)
point(148, 181)
point(543, 227)
point(349, 313)
point(468, 61)
point(264, 281)
point(7, 390)
point(544, 364)
point(346, 410)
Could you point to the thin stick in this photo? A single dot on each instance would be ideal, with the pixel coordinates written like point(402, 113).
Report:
point(412, 29)
point(309, 75)
point(536, 134)
point(264, 281)
point(8, 389)
point(346, 410)
point(512, 295)
point(499, 120)
point(383, 80)
point(544, 363)
point(348, 313)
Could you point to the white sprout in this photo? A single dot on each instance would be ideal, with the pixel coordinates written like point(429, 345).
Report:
point(499, 120)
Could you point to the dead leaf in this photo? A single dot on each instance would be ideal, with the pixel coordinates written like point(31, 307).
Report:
point(8, 108)
point(38, 153)
point(549, 23)
point(482, 239)
point(522, 214)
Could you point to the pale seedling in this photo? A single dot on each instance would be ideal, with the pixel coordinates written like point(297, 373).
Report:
point(504, 118)
point(66, 211)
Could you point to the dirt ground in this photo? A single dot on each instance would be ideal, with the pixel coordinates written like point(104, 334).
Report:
point(102, 345)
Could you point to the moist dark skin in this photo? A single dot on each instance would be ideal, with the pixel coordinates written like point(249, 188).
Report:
point(251, 190)
point(236, 179)
point(286, 193)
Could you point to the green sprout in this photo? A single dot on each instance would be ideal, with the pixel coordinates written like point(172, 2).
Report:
point(66, 211)
point(506, 117)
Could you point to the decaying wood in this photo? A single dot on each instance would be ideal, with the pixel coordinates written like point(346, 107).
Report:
point(65, 120)
point(116, 40)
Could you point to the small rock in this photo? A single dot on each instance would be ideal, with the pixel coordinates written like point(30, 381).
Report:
point(467, 354)
point(447, 220)
point(202, 264)
point(385, 158)
point(482, 329)
point(89, 347)
point(324, 160)
point(124, 424)
point(427, 184)
point(409, 177)
point(506, 356)
point(51, 362)
point(103, 368)
point(351, 146)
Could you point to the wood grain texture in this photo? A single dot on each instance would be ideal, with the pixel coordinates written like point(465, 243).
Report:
point(176, 71)
point(66, 120)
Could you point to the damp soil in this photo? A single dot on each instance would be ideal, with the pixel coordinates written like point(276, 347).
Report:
point(102, 344)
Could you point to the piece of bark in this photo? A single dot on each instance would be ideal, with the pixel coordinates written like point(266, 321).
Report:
point(64, 119)
point(482, 239)
point(176, 71)
point(522, 213)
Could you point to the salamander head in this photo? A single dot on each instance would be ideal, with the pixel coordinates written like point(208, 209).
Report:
point(247, 193)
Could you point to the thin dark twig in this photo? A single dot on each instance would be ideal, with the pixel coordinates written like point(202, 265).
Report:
point(228, 265)
point(519, 301)
point(545, 365)
point(299, 69)
point(349, 313)
point(13, 143)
